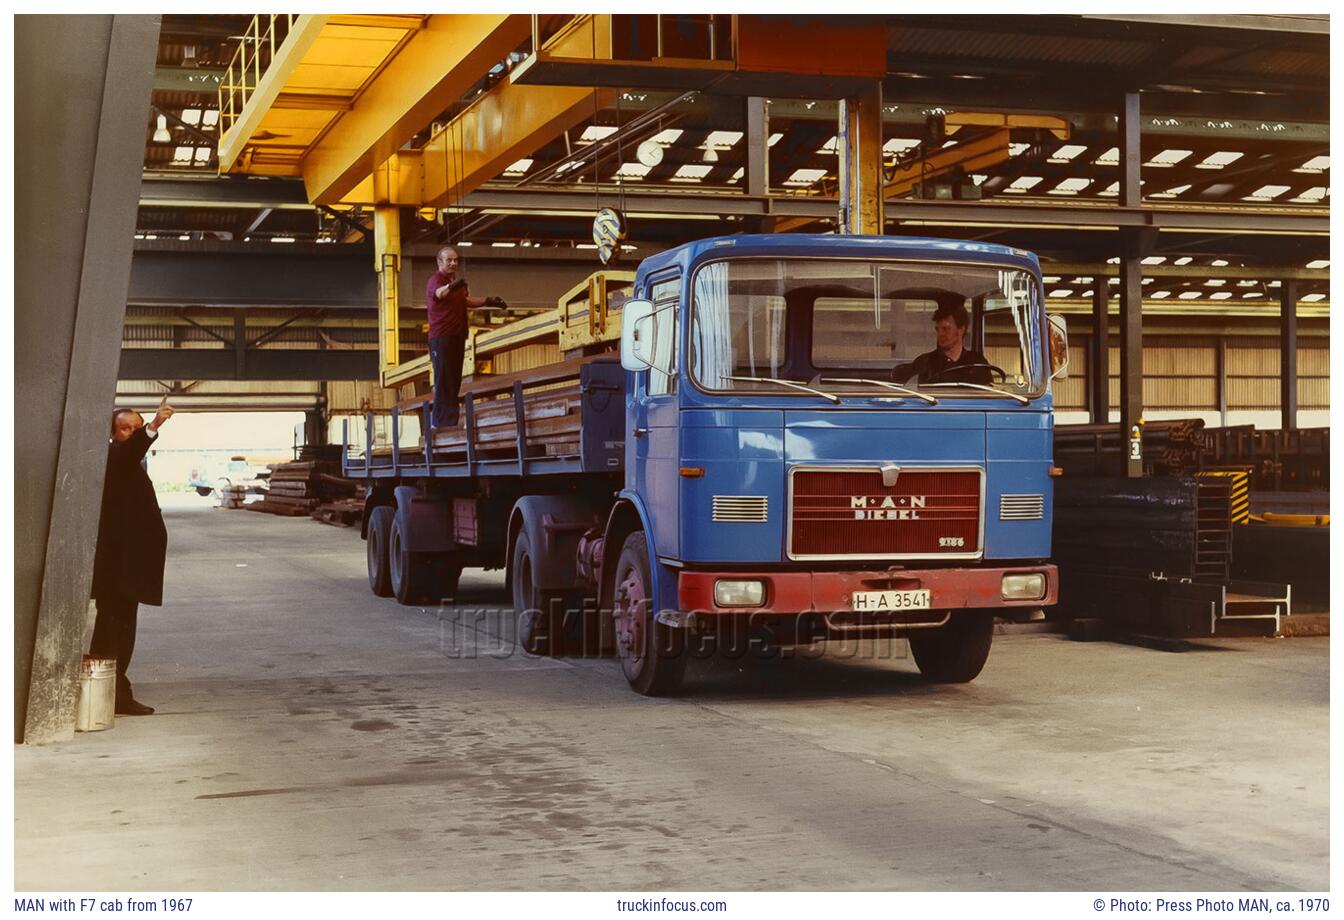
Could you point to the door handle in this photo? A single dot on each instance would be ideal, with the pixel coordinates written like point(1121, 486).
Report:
point(640, 432)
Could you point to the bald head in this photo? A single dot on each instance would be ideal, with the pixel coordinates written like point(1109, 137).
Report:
point(125, 422)
point(448, 259)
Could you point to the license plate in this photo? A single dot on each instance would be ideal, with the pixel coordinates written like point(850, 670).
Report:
point(890, 600)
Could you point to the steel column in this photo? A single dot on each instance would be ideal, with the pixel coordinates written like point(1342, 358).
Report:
point(860, 149)
point(1134, 246)
point(1099, 382)
point(1288, 354)
point(757, 172)
point(87, 81)
point(387, 263)
point(1220, 383)
point(1131, 157)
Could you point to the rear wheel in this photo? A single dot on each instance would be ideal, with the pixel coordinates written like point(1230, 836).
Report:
point(955, 653)
point(541, 611)
point(380, 578)
point(419, 578)
point(652, 654)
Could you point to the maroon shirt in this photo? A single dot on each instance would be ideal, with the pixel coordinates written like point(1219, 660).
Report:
point(447, 315)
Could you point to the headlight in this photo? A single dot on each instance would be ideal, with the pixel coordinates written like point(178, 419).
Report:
point(1024, 587)
point(739, 593)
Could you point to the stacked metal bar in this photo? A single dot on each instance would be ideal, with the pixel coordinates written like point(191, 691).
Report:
point(296, 489)
point(1172, 447)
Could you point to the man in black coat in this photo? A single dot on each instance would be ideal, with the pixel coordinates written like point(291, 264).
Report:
point(132, 543)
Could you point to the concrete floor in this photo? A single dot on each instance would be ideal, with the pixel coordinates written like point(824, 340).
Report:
point(312, 736)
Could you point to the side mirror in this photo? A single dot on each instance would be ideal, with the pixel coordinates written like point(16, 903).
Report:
point(1059, 347)
point(637, 335)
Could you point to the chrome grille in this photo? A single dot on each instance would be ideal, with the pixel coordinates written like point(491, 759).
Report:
point(1021, 507)
point(740, 509)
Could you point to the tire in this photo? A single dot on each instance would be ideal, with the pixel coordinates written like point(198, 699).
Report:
point(955, 653)
point(375, 552)
point(418, 579)
point(542, 627)
point(652, 655)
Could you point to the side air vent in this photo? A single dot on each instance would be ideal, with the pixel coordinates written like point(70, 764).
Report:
point(1021, 507)
point(740, 509)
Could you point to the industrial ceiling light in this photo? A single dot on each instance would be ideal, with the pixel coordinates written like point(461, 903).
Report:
point(161, 135)
point(711, 155)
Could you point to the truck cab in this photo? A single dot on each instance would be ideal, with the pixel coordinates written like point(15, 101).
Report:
point(793, 465)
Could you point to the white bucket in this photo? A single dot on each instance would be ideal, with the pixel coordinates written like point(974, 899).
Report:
point(97, 694)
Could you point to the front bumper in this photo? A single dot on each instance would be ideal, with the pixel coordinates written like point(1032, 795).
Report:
point(831, 592)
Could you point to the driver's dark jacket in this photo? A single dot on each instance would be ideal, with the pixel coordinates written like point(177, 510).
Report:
point(931, 367)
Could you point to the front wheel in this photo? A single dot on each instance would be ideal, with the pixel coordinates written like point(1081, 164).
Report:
point(652, 655)
point(955, 653)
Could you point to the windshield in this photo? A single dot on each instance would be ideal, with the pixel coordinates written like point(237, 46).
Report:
point(820, 321)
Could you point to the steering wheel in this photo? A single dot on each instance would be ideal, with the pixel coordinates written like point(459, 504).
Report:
point(960, 369)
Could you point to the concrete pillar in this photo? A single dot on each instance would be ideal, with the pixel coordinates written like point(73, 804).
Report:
point(1288, 354)
point(81, 86)
point(1099, 382)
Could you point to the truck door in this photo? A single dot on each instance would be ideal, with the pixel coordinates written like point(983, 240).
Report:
point(655, 438)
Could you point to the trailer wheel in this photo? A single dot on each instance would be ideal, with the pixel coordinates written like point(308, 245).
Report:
point(541, 612)
point(418, 578)
point(955, 653)
point(380, 523)
point(652, 655)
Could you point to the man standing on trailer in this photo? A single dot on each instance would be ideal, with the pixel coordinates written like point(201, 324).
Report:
point(132, 544)
point(447, 300)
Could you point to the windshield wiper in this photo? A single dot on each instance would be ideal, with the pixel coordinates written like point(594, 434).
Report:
point(980, 386)
point(932, 401)
point(788, 383)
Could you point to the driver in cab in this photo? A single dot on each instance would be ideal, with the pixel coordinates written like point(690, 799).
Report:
point(951, 361)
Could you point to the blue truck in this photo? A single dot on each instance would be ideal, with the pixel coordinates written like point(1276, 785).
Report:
point(752, 463)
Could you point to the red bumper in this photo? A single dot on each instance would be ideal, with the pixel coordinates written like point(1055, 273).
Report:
point(829, 592)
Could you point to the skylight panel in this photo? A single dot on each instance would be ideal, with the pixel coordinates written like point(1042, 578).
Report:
point(1266, 193)
point(722, 140)
point(1171, 192)
point(691, 172)
point(668, 136)
point(1070, 187)
point(1318, 263)
point(634, 171)
point(1109, 158)
point(191, 116)
point(1154, 260)
point(1169, 157)
point(1066, 153)
point(1024, 184)
point(737, 176)
point(210, 118)
point(804, 177)
point(1218, 263)
point(1183, 260)
point(775, 139)
point(899, 145)
point(1190, 295)
point(1313, 298)
point(1016, 149)
point(183, 154)
point(519, 167)
point(594, 133)
point(1161, 295)
point(202, 155)
point(1219, 160)
point(1062, 292)
point(1111, 191)
point(832, 146)
point(1220, 295)
point(1314, 165)
point(1252, 295)
point(1215, 282)
point(1313, 195)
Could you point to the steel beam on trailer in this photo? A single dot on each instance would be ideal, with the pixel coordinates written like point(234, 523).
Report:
point(257, 364)
point(433, 70)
